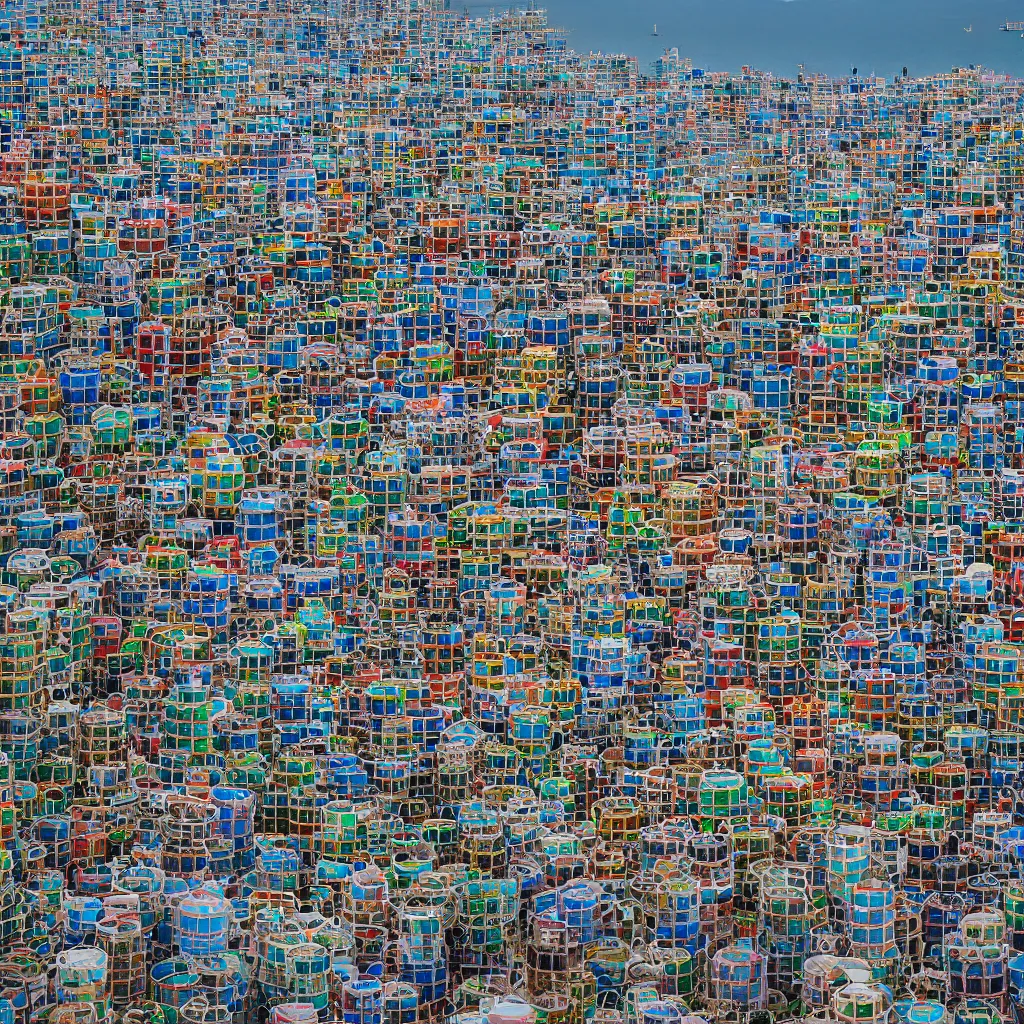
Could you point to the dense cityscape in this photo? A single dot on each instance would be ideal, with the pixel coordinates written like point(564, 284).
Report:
point(491, 534)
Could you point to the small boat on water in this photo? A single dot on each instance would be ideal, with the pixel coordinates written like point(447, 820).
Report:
point(654, 31)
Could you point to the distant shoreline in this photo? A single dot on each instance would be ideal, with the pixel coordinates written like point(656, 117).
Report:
point(826, 36)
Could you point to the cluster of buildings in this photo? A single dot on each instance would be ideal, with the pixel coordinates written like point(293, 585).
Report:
point(491, 535)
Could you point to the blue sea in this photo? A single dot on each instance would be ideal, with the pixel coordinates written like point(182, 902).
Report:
point(831, 36)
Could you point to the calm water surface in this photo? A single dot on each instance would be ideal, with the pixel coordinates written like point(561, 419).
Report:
point(832, 36)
